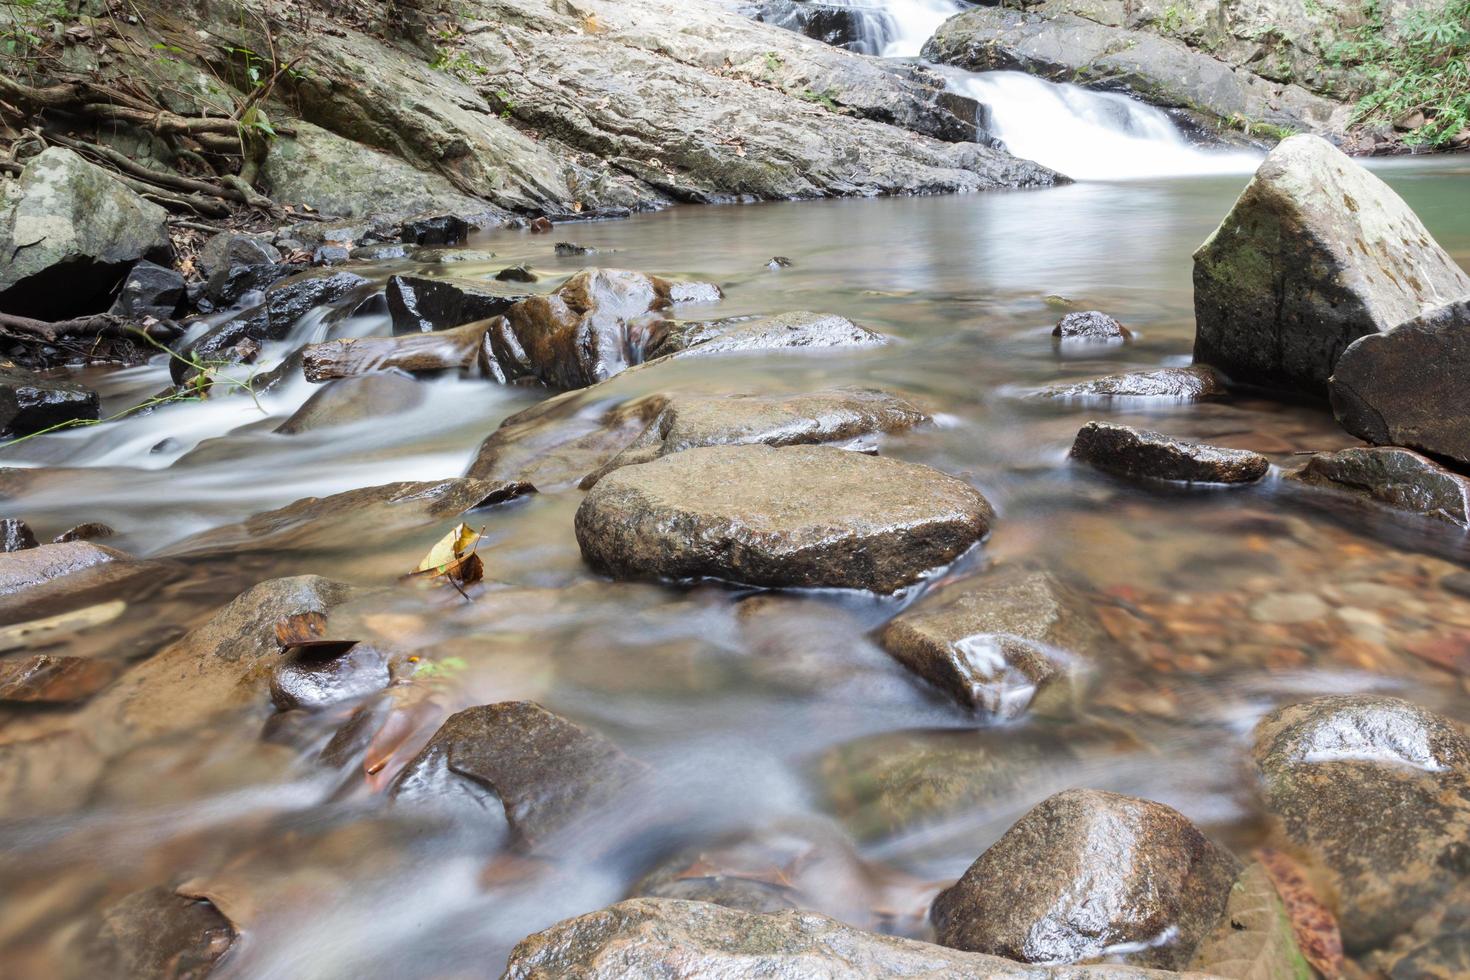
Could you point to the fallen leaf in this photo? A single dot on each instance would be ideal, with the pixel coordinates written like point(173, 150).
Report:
point(301, 628)
point(453, 558)
point(1314, 925)
point(1254, 940)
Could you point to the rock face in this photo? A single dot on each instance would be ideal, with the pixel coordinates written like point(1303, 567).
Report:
point(678, 940)
point(69, 233)
point(1001, 643)
point(837, 415)
point(1087, 874)
point(1400, 478)
point(1411, 385)
point(798, 516)
point(30, 402)
point(542, 772)
point(1131, 452)
point(1090, 325)
point(1064, 47)
point(1188, 384)
point(1316, 253)
point(1376, 792)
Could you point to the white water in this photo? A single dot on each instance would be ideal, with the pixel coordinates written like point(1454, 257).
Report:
point(915, 22)
point(1091, 135)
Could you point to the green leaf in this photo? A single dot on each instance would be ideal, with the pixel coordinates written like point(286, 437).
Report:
point(1254, 940)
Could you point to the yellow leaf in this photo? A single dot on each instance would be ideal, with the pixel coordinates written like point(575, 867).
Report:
point(449, 550)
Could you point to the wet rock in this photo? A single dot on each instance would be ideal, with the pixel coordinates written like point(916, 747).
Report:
point(90, 531)
point(836, 415)
point(349, 400)
point(1090, 325)
point(228, 285)
point(681, 940)
point(1131, 452)
point(379, 253)
point(451, 256)
point(566, 249)
point(797, 516)
point(1087, 874)
point(1005, 642)
point(779, 262)
point(443, 350)
point(520, 767)
point(1408, 386)
point(1399, 478)
point(517, 273)
point(318, 678)
point(419, 304)
point(1187, 384)
point(150, 290)
point(231, 249)
point(1375, 791)
point(15, 535)
point(285, 302)
point(155, 934)
point(798, 329)
point(36, 566)
point(69, 233)
point(435, 229)
point(330, 255)
point(30, 402)
point(1316, 253)
point(45, 679)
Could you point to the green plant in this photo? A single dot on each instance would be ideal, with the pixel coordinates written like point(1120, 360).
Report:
point(1172, 19)
point(824, 98)
point(26, 25)
point(447, 667)
point(773, 62)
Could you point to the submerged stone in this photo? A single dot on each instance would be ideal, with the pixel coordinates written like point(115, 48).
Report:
point(46, 679)
point(1187, 384)
point(1131, 452)
point(797, 516)
point(1090, 325)
point(346, 401)
point(1400, 478)
point(799, 329)
point(154, 934)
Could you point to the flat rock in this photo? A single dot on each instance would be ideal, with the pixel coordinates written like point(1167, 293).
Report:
point(1375, 792)
point(1410, 386)
point(46, 679)
point(456, 349)
point(681, 940)
point(1086, 874)
point(1090, 325)
point(797, 516)
point(27, 569)
point(69, 233)
point(1186, 384)
point(1400, 478)
point(529, 772)
point(349, 400)
point(835, 415)
point(1316, 253)
point(798, 329)
point(1131, 452)
point(1002, 643)
point(30, 402)
point(419, 304)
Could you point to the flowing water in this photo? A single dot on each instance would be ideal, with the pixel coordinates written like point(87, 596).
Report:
point(779, 719)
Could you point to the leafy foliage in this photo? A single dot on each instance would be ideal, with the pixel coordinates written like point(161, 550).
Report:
point(1425, 69)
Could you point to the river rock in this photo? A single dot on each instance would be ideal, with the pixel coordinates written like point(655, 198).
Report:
point(35, 566)
point(679, 940)
point(798, 329)
point(833, 415)
point(319, 677)
point(1087, 874)
point(797, 516)
point(1001, 643)
point(86, 531)
point(69, 233)
point(1400, 478)
point(154, 934)
point(15, 535)
point(518, 766)
point(233, 249)
point(443, 350)
point(1375, 791)
point(1316, 253)
point(1186, 384)
point(1408, 386)
point(442, 228)
point(419, 304)
point(150, 290)
point(350, 400)
point(46, 679)
point(1131, 452)
point(30, 402)
point(1090, 325)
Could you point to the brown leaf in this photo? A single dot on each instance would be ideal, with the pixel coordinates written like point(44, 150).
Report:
point(301, 628)
point(1314, 925)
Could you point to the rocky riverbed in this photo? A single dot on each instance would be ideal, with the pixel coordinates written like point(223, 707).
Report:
point(1058, 583)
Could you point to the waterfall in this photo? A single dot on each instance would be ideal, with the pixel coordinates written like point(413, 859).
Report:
point(913, 22)
point(889, 28)
point(1090, 135)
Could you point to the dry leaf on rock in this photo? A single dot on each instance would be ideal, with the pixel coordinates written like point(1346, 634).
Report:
point(1255, 939)
point(1315, 926)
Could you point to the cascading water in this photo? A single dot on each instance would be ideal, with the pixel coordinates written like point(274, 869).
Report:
point(911, 22)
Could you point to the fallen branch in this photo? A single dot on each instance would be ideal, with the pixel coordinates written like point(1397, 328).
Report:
point(97, 325)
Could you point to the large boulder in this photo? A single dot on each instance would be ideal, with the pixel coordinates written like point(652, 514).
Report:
point(1131, 452)
point(797, 516)
point(1011, 640)
point(69, 232)
point(1410, 386)
point(30, 402)
point(1088, 874)
point(1400, 478)
point(1316, 253)
point(681, 940)
point(525, 771)
point(1375, 792)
